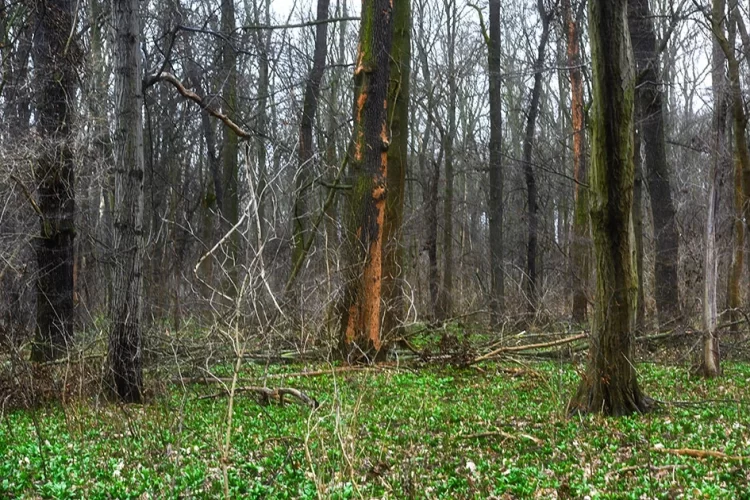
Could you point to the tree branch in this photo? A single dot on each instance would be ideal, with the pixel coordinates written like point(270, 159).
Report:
point(188, 94)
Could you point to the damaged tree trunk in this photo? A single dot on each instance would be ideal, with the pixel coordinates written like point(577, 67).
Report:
point(360, 309)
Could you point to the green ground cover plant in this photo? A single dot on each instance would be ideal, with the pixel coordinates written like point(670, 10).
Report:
point(492, 431)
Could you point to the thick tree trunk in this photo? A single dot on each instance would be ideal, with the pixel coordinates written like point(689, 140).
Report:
point(300, 215)
point(55, 63)
point(581, 246)
point(361, 304)
point(230, 208)
point(125, 341)
point(398, 120)
point(650, 110)
point(496, 165)
point(610, 385)
point(532, 233)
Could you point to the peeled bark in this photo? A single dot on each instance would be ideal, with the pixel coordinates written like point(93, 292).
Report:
point(55, 62)
point(125, 341)
point(581, 245)
point(496, 164)
point(361, 305)
point(649, 97)
point(610, 385)
point(300, 216)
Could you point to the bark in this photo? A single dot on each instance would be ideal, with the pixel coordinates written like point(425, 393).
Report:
point(710, 363)
point(361, 305)
point(650, 99)
point(497, 300)
point(446, 292)
point(398, 120)
point(581, 246)
point(263, 45)
point(55, 61)
point(300, 223)
point(230, 146)
point(528, 142)
point(610, 385)
point(640, 315)
point(741, 155)
point(125, 342)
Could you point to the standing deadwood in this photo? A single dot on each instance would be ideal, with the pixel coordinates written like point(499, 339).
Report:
point(303, 178)
point(360, 336)
point(56, 56)
point(528, 169)
point(398, 121)
point(125, 341)
point(581, 245)
point(446, 296)
point(610, 385)
point(496, 163)
point(650, 112)
point(741, 154)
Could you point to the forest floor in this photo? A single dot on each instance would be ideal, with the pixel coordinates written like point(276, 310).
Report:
point(492, 431)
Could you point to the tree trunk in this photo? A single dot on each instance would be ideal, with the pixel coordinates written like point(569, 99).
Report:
point(581, 246)
point(55, 63)
point(361, 305)
point(528, 169)
point(398, 119)
point(125, 342)
point(640, 315)
point(651, 123)
point(300, 230)
point(446, 295)
point(610, 385)
point(741, 154)
point(497, 300)
point(230, 146)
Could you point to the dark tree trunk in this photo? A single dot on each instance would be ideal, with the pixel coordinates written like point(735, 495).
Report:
point(496, 164)
point(361, 306)
point(125, 341)
point(300, 230)
point(532, 233)
point(640, 315)
point(398, 119)
point(610, 385)
point(649, 99)
point(55, 62)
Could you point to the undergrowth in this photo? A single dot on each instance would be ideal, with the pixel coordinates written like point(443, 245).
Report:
point(487, 432)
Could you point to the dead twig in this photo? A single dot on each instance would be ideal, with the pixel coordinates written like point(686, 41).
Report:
point(690, 452)
point(529, 347)
point(652, 468)
point(268, 394)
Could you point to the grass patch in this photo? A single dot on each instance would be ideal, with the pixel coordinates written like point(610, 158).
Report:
point(432, 433)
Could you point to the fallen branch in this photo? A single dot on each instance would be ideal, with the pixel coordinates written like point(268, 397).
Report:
point(690, 452)
point(528, 347)
point(315, 373)
point(267, 395)
point(652, 468)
